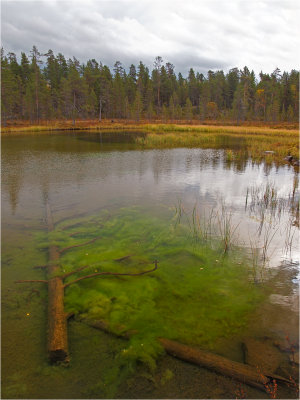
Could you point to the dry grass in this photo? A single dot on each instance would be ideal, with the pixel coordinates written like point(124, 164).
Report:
point(281, 139)
point(254, 141)
point(155, 126)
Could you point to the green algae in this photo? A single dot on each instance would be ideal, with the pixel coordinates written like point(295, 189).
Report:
point(196, 295)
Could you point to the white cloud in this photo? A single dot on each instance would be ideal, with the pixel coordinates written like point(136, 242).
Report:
point(200, 34)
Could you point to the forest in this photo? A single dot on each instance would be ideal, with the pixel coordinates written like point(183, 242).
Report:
point(51, 87)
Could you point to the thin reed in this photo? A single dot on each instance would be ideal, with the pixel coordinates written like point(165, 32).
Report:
point(206, 226)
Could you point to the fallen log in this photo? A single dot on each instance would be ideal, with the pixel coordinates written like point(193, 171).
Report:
point(242, 372)
point(238, 371)
point(57, 340)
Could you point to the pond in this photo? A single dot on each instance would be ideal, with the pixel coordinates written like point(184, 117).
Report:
point(224, 233)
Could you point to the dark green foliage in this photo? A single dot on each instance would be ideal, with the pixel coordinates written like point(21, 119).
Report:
point(50, 87)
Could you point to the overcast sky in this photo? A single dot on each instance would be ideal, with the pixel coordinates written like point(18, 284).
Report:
point(205, 35)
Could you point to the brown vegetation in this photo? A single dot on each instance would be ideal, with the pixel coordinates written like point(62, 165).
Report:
point(63, 124)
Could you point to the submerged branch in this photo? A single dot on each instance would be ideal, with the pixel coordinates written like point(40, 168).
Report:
point(112, 273)
point(75, 233)
point(78, 245)
point(122, 258)
point(32, 280)
point(41, 266)
point(74, 272)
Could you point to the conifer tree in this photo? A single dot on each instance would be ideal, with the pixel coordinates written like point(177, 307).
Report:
point(9, 90)
point(70, 89)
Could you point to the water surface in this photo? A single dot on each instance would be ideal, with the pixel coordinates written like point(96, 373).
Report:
point(83, 173)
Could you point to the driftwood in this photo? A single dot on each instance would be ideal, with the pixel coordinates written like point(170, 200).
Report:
point(238, 371)
point(57, 340)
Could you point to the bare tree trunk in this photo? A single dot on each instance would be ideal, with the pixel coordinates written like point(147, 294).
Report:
point(37, 94)
point(74, 107)
point(100, 109)
point(3, 118)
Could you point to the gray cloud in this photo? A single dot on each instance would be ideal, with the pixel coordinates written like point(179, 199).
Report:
point(206, 34)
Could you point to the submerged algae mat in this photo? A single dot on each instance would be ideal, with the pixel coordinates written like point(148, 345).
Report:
point(195, 296)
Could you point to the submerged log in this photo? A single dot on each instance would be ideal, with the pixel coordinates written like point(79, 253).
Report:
point(236, 370)
point(222, 365)
point(57, 341)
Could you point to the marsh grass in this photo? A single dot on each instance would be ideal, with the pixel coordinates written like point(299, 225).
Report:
point(268, 235)
point(264, 201)
point(229, 155)
point(218, 228)
point(200, 227)
point(266, 205)
point(227, 229)
point(255, 140)
point(257, 268)
point(207, 226)
point(290, 231)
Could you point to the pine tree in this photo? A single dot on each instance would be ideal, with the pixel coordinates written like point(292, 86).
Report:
point(188, 110)
point(71, 89)
point(74, 91)
point(165, 113)
point(36, 61)
point(156, 78)
point(172, 108)
point(137, 106)
point(290, 114)
point(150, 111)
point(9, 90)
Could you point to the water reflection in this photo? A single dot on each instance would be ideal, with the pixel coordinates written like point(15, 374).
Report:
point(82, 168)
point(80, 173)
point(89, 172)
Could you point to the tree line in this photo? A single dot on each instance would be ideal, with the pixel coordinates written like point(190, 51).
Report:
point(48, 87)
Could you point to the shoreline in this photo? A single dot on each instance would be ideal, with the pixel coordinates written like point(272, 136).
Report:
point(153, 126)
point(272, 144)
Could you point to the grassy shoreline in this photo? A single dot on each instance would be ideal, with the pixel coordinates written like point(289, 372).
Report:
point(194, 125)
point(282, 140)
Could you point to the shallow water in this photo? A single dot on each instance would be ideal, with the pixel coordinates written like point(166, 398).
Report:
point(83, 174)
